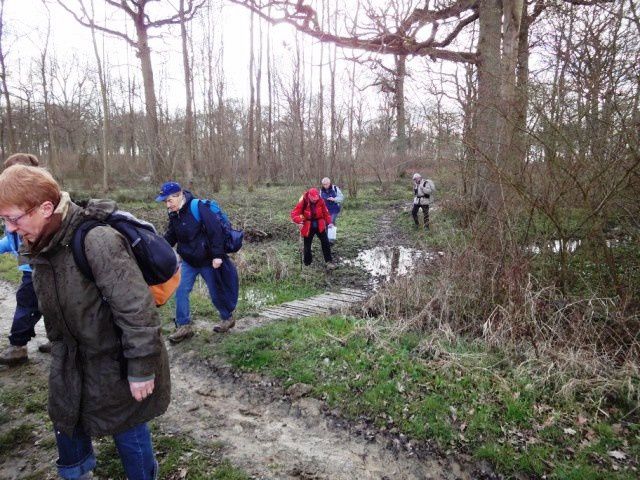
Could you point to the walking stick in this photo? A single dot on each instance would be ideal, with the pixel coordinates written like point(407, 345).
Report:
point(300, 248)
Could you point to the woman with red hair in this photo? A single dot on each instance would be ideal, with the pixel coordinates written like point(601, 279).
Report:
point(313, 218)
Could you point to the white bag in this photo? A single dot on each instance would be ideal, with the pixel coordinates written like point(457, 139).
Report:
point(332, 233)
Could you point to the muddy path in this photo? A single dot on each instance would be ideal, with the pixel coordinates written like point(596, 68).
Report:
point(275, 434)
point(268, 432)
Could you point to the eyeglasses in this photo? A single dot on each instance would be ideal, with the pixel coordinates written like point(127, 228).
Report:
point(15, 220)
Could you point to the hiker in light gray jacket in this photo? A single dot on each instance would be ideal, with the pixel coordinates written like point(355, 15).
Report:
point(423, 190)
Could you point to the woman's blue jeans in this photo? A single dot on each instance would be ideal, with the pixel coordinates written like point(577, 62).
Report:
point(76, 457)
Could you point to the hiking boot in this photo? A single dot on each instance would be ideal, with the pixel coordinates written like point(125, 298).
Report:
point(183, 332)
point(331, 266)
point(45, 347)
point(14, 355)
point(224, 326)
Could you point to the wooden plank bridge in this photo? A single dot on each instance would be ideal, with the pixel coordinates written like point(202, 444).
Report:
point(324, 304)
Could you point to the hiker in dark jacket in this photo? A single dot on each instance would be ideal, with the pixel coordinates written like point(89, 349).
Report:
point(313, 218)
point(201, 246)
point(109, 368)
point(27, 314)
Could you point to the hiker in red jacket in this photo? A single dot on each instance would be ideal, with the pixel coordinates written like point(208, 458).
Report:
point(313, 218)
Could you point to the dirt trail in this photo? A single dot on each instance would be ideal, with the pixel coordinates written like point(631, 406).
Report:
point(272, 436)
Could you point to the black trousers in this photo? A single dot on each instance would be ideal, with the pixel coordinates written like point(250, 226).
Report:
point(324, 242)
point(425, 213)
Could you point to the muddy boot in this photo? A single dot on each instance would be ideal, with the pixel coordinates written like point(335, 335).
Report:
point(224, 326)
point(14, 355)
point(183, 332)
point(45, 347)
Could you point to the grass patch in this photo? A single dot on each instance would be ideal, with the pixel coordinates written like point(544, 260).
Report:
point(8, 269)
point(177, 456)
point(15, 437)
point(461, 395)
point(27, 398)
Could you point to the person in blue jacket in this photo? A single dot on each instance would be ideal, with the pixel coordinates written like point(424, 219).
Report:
point(27, 314)
point(332, 197)
point(200, 244)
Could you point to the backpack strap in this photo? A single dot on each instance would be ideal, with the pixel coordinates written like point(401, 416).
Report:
point(77, 246)
point(193, 206)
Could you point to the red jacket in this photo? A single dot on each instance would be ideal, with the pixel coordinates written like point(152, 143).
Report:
point(305, 211)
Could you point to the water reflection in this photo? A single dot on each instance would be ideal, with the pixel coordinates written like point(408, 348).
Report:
point(388, 262)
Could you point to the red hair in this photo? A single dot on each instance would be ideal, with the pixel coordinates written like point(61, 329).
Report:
point(27, 187)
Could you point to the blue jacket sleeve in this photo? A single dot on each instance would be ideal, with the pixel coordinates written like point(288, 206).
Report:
point(5, 245)
point(213, 228)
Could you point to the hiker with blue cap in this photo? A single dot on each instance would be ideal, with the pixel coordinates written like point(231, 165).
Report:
point(198, 234)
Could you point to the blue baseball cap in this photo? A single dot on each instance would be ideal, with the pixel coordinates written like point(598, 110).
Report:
point(168, 188)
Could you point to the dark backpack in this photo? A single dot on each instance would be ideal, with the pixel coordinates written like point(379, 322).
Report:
point(232, 238)
point(155, 257)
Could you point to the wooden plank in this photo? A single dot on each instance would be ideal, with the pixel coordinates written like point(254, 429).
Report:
point(326, 305)
point(342, 298)
point(308, 306)
point(273, 315)
point(355, 293)
point(298, 310)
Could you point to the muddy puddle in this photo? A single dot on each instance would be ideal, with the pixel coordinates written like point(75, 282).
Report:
point(385, 263)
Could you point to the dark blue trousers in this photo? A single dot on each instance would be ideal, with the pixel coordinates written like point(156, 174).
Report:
point(26, 315)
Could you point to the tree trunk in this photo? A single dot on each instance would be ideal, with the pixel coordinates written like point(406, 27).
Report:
point(485, 189)
point(521, 100)
point(151, 103)
point(401, 118)
point(13, 145)
point(106, 125)
point(188, 121)
point(251, 113)
point(512, 19)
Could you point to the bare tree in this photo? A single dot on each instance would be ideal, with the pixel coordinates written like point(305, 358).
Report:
point(106, 127)
point(384, 33)
point(13, 145)
point(188, 121)
point(136, 11)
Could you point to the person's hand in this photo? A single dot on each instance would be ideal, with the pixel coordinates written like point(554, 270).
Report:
point(216, 262)
point(141, 390)
point(331, 225)
point(332, 199)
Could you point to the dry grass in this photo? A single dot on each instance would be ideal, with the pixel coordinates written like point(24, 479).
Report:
point(584, 347)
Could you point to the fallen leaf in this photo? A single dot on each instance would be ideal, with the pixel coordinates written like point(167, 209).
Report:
point(617, 454)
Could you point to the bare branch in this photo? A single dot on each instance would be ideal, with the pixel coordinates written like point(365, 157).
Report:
point(304, 18)
point(82, 20)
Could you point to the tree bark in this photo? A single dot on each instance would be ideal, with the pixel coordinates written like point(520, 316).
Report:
point(485, 189)
point(13, 144)
point(401, 116)
point(188, 121)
